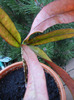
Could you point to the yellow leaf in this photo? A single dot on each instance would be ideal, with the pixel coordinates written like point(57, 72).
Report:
point(8, 30)
point(40, 52)
point(52, 36)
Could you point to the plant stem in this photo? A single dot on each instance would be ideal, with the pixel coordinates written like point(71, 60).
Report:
point(25, 68)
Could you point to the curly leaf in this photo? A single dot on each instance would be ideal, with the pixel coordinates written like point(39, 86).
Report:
point(56, 12)
point(8, 30)
point(40, 52)
point(52, 36)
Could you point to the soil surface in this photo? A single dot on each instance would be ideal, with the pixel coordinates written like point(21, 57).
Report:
point(12, 86)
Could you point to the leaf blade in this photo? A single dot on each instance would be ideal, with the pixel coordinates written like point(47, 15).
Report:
point(40, 52)
point(36, 76)
point(8, 30)
point(64, 76)
point(52, 36)
point(56, 12)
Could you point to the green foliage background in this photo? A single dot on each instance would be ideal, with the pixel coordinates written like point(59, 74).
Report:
point(22, 13)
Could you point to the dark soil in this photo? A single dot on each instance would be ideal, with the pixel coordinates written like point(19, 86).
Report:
point(12, 86)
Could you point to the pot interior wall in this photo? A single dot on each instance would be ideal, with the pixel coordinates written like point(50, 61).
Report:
point(12, 86)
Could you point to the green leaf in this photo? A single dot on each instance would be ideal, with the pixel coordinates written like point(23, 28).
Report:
point(40, 52)
point(8, 30)
point(52, 36)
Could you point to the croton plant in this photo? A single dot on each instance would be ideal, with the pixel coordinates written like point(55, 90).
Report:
point(56, 12)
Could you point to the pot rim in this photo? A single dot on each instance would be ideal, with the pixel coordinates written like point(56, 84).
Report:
point(57, 80)
point(17, 65)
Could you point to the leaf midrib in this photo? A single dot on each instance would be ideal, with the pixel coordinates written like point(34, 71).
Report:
point(51, 17)
point(9, 32)
point(50, 37)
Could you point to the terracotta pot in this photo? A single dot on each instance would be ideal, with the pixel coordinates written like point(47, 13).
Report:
point(18, 65)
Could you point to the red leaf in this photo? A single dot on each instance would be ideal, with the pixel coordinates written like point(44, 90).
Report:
point(64, 75)
point(36, 88)
point(56, 12)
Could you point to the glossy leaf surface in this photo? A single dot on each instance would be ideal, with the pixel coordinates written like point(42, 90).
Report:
point(52, 36)
point(36, 86)
point(40, 52)
point(8, 30)
point(56, 12)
